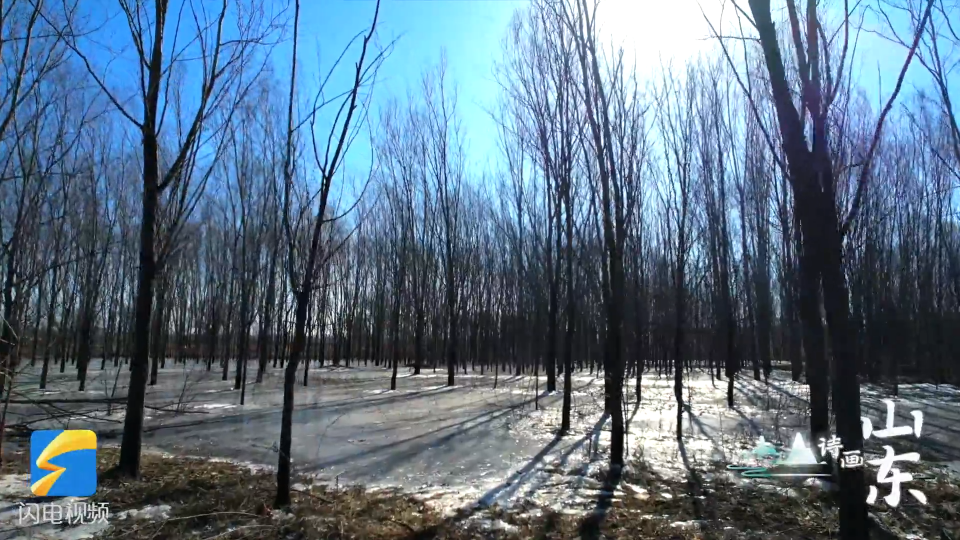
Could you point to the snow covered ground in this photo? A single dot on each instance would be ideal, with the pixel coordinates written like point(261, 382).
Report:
point(471, 444)
point(16, 521)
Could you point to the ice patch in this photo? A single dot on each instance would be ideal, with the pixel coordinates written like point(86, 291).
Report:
point(214, 406)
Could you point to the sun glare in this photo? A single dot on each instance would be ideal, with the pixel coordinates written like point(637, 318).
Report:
point(655, 31)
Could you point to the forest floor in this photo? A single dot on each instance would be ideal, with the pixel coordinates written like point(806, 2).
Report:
point(480, 461)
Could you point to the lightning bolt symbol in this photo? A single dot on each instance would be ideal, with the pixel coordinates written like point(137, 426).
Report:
point(68, 441)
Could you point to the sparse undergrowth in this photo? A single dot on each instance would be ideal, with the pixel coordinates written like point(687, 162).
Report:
point(712, 506)
point(16, 460)
point(225, 500)
point(222, 500)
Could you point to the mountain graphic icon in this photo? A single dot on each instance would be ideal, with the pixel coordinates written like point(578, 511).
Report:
point(764, 449)
point(800, 454)
point(800, 462)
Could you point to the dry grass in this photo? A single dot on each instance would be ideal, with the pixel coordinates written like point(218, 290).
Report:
point(228, 501)
point(708, 509)
point(220, 500)
point(16, 460)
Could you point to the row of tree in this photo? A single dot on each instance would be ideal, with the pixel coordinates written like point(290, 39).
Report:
point(725, 214)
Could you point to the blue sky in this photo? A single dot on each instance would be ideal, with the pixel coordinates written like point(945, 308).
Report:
point(471, 32)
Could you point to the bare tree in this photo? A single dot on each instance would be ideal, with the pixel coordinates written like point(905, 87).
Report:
point(813, 183)
point(677, 106)
point(328, 161)
point(29, 57)
point(445, 163)
point(614, 113)
point(224, 57)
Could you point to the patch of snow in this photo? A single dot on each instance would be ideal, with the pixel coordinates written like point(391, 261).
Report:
point(635, 491)
point(14, 486)
point(780, 490)
point(444, 375)
point(214, 406)
point(149, 512)
point(692, 525)
point(495, 525)
point(252, 467)
point(499, 457)
point(13, 489)
point(438, 387)
point(730, 533)
point(81, 532)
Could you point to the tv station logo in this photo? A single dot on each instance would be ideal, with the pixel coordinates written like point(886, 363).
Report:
point(63, 463)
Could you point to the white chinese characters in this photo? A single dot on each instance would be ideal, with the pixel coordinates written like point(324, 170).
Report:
point(890, 430)
point(833, 446)
point(63, 514)
point(852, 459)
point(887, 473)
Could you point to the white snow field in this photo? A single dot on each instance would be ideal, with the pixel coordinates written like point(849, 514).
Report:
point(471, 444)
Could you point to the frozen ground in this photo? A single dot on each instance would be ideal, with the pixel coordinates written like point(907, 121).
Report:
point(470, 443)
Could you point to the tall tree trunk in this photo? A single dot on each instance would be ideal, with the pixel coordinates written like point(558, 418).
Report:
point(397, 298)
point(243, 343)
point(553, 273)
point(289, 381)
point(418, 331)
point(213, 334)
point(263, 339)
point(306, 360)
point(571, 313)
point(48, 333)
point(227, 329)
point(241, 338)
point(129, 464)
point(83, 355)
point(452, 327)
point(41, 290)
point(761, 272)
point(159, 329)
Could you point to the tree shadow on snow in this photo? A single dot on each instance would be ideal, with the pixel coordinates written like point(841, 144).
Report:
point(301, 412)
point(423, 441)
point(515, 481)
